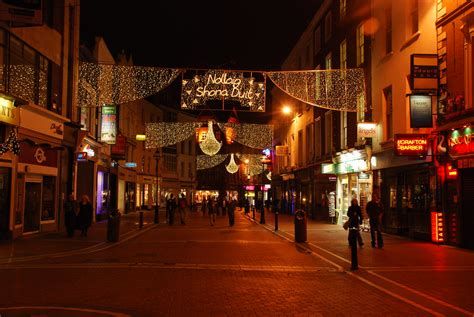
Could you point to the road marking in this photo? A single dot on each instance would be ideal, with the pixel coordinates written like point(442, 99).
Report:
point(419, 268)
point(212, 241)
point(175, 266)
point(82, 310)
point(432, 298)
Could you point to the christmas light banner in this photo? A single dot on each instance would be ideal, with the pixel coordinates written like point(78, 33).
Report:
point(223, 90)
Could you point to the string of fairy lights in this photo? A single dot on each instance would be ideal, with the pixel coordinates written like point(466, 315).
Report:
point(257, 136)
point(161, 134)
point(206, 161)
point(11, 144)
point(232, 167)
point(210, 145)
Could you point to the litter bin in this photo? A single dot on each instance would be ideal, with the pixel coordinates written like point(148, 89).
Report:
point(300, 226)
point(113, 226)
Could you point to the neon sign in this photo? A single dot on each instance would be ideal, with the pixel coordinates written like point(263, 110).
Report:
point(459, 142)
point(411, 144)
point(437, 227)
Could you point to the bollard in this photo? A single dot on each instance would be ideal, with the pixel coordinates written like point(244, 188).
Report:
point(300, 226)
point(140, 221)
point(276, 220)
point(253, 212)
point(113, 226)
point(156, 218)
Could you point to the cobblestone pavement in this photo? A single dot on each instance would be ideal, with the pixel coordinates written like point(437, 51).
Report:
point(199, 270)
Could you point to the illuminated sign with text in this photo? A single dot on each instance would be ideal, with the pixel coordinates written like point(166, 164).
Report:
point(459, 142)
point(437, 227)
point(411, 144)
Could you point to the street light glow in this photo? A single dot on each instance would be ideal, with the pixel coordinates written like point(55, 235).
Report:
point(286, 110)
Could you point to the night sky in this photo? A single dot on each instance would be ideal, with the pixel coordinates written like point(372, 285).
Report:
point(242, 34)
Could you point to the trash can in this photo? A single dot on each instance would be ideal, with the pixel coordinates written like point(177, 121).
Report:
point(113, 226)
point(300, 226)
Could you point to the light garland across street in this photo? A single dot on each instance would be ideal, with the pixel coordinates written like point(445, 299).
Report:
point(257, 136)
point(160, 134)
point(206, 161)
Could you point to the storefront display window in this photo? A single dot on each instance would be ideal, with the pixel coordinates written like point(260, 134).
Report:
point(48, 205)
point(393, 196)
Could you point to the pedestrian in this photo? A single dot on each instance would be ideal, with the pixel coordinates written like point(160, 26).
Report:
point(231, 211)
point(355, 220)
point(172, 208)
point(182, 206)
point(375, 211)
point(212, 209)
point(204, 205)
point(85, 215)
point(247, 206)
point(70, 210)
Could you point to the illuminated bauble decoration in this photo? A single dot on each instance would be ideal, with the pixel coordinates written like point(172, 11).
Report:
point(232, 167)
point(269, 176)
point(210, 145)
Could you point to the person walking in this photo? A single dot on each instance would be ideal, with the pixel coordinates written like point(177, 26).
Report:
point(204, 205)
point(231, 211)
point(172, 209)
point(355, 220)
point(85, 215)
point(375, 211)
point(212, 209)
point(247, 206)
point(70, 210)
point(182, 206)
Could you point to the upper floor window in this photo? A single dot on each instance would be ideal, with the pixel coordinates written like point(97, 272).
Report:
point(361, 108)
point(414, 16)
point(388, 29)
point(328, 26)
point(328, 61)
point(342, 8)
point(343, 54)
point(328, 132)
point(360, 44)
point(388, 102)
point(317, 40)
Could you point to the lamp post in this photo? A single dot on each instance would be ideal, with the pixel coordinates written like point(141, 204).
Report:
point(156, 218)
point(264, 160)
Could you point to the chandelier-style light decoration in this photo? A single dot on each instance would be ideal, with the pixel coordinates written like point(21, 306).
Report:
point(206, 161)
point(160, 134)
point(336, 89)
point(232, 167)
point(269, 176)
point(101, 84)
point(257, 136)
point(210, 145)
point(11, 144)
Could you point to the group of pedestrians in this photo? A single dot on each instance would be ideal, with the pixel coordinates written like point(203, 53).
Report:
point(220, 206)
point(375, 212)
point(172, 204)
point(77, 215)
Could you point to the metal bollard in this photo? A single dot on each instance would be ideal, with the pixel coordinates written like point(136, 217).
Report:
point(140, 220)
point(156, 218)
point(253, 212)
point(276, 220)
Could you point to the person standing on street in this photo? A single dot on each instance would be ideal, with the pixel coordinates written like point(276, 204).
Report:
point(182, 205)
point(355, 220)
point(231, 211)
point(172, 209)
point(212, 210)
point(247, 206)
point(70, 209)
point(85, 215)
point(375, 212)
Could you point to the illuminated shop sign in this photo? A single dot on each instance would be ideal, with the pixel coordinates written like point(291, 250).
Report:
point(90, 151)
point(8, 112)
point(437, 227)
point(108, 127)
point(366, 130)
point(424, 71)
point(353, 166)
point(411, 144)
point(281, 150)
point(130, 164)
point(459, 142)
point(81, 156)
point(249, 187)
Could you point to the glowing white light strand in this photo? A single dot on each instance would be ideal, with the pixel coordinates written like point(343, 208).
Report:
point(206, 161)
point(232, 167)
point(254, 164)
point(160, 134)
point(101, 84)
point(210, 145)
point(257, 136)
point(336, 89)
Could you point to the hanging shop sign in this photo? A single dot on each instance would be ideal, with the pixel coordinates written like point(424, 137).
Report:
point(81, 156)
point(420, 111)
point(437, 227)
point(281, 150)
point(459, 142)
point(424, 72)
point(89, 150)
point(411, 144)
point(223, 90)
point(119, 148)
point(38, 155)
point(8, 112)
point(366, 130)
point(108, 127)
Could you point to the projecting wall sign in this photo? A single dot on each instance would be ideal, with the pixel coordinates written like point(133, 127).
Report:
point(226, 90)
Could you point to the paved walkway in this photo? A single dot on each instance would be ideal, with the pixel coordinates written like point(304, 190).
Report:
point(246, 270)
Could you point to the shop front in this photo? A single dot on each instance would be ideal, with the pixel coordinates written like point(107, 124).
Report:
point(127, 190)
point(354, 180)
point(146, 191)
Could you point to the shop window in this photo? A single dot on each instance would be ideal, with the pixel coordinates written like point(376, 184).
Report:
point(387, 93)
point(317, 40)
point(47, 204)
point(388, 29)
point(393, 196)
point(414, 16)
point(360, 44)
point(328, 26)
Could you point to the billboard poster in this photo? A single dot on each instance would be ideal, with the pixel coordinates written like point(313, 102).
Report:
point(108, 127)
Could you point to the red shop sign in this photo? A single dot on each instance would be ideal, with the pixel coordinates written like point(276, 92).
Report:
point(411, 144)
point(38, 155)
point(459, 142)
point(119, 147)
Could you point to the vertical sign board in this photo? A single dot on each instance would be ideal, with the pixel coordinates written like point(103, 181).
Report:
point(108, 127)
point(420, 111)
point(437, 227)
point(424, 72)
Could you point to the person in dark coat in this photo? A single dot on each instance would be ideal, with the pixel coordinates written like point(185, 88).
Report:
point(355, 220)
point(231, 210)
point(204, 205)
point(247, 206)
point(172, 208)
point(84, 217)
point(70, 209)
point(375, 211)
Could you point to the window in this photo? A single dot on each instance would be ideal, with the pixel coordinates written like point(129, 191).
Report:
point(170, 162)
point(309, 143)
point(182, 169)
point(190, 170)
point(387, 93)
point(328, 61)
point(317, 137)
point(342, 8)
point(328, 132)
point(300, 148)
point(343, 54)
point(360, 45)
point(343, 130)
point(317, 40)
point(414, 16)
point(388, 29)
point(361, 108)
point(328, 26)
point(48, 208)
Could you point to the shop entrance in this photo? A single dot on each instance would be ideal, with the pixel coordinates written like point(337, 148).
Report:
point(467, 214)
point(32, 207)
point(4, 202)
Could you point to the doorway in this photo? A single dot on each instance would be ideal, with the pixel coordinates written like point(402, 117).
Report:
point(32, 207)
point(5, 179)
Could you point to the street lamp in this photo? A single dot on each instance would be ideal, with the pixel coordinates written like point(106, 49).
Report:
point(264, 160)
point(157, 204)
point(286, 110)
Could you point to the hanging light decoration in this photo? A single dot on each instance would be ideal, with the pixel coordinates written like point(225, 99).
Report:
point(160, 134)
point(232, 167)
point(269, 176)
point(210, 145)
point(206, 161)
point(257, 136)
point(254, 165)
point(11, 144)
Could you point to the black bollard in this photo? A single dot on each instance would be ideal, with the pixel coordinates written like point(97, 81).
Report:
point(140, 221)
point(156, 218)
point(276, 220)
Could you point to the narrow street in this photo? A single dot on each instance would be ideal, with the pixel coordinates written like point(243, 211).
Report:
point(247, 270)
